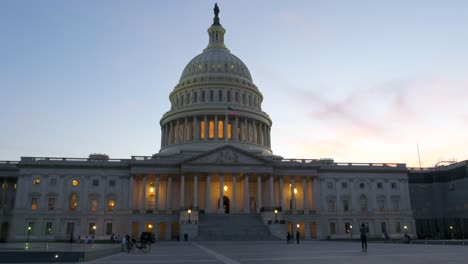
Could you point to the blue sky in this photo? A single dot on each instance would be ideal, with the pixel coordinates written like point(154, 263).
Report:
point(357, 81)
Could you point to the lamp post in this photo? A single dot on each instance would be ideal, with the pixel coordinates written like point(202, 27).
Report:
point(451, 231)
point(29, 230)
point(351, 230)
point(189, 213)
point(276, 216)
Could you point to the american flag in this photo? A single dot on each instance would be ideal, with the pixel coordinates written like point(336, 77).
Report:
point(233, 112)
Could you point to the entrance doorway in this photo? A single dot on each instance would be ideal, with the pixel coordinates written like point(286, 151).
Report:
point(226, 205)
point(4, 232)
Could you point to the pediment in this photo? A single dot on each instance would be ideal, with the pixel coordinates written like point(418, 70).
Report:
point(227, 155)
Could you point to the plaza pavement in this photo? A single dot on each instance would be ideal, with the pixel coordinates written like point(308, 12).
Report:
point(279, 252)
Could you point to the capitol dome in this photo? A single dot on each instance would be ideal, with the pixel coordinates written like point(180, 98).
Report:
point(215, 103)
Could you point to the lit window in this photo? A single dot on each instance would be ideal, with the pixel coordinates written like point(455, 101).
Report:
point(92, 228)
point(93, 205)
point(51, 204)
point(75, 182)
point(230, 130)
point(220, 129)
point(111, 205)
point(202, 129)
point(34, 204)
point(73, 202)
point(211, 134)
point(37, 181)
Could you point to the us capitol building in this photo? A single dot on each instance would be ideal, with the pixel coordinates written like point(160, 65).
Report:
point(215, 177)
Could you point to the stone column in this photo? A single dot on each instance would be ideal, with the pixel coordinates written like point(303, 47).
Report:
point(281, 198)
point(177, 132)
point(221, 194)
point(293, 195)
point(196, 129)
point(246, 194)
point(156, 195)
point(316, 195)
point(185, 130)
point(208, 194)
point(304, 195)
point(261, 134)
point(272, 191)
point(206, 127)
point(182, 193)
point(259, 192)
point(162, 136)
point(247, 132)
point(255, 132)
point(171, 133)
point(195, 192)
point(131, 201)
point(307, 230)
point(226, 126)
point(169, 195)
point(143, 198)
point(234, 194)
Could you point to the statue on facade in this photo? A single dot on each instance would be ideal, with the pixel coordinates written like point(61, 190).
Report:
point(216, 18)
point(216, 10)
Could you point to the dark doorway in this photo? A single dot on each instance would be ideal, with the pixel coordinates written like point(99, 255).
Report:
point(4, 232)
point(226, 205)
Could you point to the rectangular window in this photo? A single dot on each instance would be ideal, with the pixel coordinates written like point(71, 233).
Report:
point(394, 185)
point(243, 99)
point(345, 205)
point(48, 230)
point(230, 130)
point(211, 96)
point(34, 204)
point(220, 95)
point(332, 228)
point(109, 229)
point(112, 183)
point(110, 205)
point(202, 129)
point(53, 182)
point(95, 182)
point(397, 227)
point(344, 185)
point(381, 204)
point(236, 97)
point(203, 96)
point(93, 205)
point(212, 129)
point(92, 229)
point(396, 205)
point(220, 129)
point(70, 228)
point(347, 227)
point(51, 204)
point(331, 205)
point(379, 185)
point(228, 98)
point(195, 97)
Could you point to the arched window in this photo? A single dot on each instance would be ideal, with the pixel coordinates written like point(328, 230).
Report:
point(211, 96)
point(202, 129)
point(243, 99)
point(203, 96)
point(220, 96)
point(188, 99)
point(211, 128)
point(220, 129)
point(228, 96)
point(181, 132)
point(195, 97)
point(93, 205)
point(229, 130)
point(73, 202)
point(182, 100)
point(236, 97)
point(188, 135)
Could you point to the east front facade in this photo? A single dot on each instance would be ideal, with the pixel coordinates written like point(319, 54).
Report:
point(215, 177)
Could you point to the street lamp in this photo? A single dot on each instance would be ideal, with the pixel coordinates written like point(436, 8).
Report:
point(189, 213)
point(29, 230)
point(351, 230)
point(276, 216)
point(451, 231)
point(225, 187)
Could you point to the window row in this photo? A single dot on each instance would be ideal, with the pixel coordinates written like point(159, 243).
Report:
point(216, 96)
point(74, 183)
point(348, 227)
point(362, 185)
point(50, 230)
point(197, 68)
point(363, 204)
point(72, 203)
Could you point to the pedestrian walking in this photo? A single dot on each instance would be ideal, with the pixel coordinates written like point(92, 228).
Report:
point(363, 231)
point(288, 238)
point(297, 236)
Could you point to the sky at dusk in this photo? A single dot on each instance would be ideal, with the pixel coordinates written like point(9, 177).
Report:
point(356, 81)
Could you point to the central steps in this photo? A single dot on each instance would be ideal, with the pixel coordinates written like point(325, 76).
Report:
point(232, 227)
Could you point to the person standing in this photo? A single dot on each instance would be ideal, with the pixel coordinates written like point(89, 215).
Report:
point(297, 236)
point(288, 237)
point(363, 231)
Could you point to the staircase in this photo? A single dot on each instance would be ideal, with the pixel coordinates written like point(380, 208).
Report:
point(232, 227)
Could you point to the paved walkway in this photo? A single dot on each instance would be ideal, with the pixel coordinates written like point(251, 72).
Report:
point(279, 252)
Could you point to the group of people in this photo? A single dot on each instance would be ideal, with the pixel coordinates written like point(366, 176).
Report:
point(290, 237)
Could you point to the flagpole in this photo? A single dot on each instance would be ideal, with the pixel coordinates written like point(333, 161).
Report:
point(419, 157)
